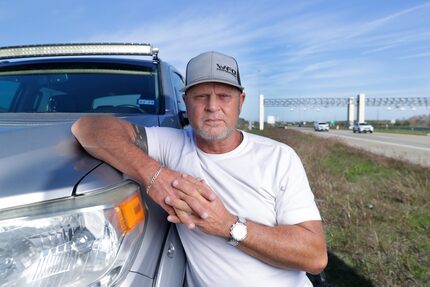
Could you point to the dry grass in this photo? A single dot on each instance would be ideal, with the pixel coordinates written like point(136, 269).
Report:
point(376, 212)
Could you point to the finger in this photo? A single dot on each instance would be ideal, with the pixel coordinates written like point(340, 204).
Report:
point(173, 219)
point(197, 205)
point(201, 186)
point(185, 218)
point(184, 205)
point(168, 209)
point(192, 179)
point(189, 185)
point(186, 187)
point(159, 200)
point(207, 192)
point(177, 204)
point(190, 217)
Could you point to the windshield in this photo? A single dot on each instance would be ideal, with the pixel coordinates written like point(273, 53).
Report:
point(79, 91)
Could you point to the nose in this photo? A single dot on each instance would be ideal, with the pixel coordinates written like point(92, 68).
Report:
point(212, 104)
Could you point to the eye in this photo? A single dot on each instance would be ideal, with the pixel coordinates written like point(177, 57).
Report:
point(200, 97)
point(225, 97)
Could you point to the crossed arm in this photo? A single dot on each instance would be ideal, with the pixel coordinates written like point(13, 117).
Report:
point(113, 140)
point(300, 246)
point(190, 201)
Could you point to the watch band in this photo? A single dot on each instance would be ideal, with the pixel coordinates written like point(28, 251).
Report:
point(238, 227)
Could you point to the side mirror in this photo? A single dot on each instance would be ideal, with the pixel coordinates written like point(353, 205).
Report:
point(183, 118)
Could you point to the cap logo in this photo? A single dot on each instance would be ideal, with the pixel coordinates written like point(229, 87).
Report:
point(226, 69)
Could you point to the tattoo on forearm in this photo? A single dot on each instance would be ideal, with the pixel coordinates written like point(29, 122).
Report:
point(141, 139)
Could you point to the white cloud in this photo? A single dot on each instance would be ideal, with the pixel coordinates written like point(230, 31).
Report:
point(291, 51)
point(394, 40)
point(418, 55)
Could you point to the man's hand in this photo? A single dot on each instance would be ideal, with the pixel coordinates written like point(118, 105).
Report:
point(165, 191)
point(208, 213)
point(300, 246)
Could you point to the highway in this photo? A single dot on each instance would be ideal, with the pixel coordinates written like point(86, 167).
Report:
point(412, 148)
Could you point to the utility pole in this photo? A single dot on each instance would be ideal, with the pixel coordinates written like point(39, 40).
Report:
point(261, 112)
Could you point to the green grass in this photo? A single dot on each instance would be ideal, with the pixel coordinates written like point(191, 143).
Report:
point(352, 166)
point(376, 212)
point(401, 131)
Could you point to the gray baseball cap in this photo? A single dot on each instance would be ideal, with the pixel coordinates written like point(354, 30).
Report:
point(212, 67)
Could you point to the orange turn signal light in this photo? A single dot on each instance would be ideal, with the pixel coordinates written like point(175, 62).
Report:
point(130, 212)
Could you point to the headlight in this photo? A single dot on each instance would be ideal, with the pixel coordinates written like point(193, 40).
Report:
point(81, 241)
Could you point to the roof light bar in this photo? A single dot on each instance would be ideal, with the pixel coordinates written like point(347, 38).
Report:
point(77, 49)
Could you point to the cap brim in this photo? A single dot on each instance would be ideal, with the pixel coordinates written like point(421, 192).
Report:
point(184, 89)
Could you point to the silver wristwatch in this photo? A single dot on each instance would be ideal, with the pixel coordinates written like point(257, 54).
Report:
point(238, 231)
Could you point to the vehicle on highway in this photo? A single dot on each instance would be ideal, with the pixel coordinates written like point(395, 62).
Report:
point(67, 219)
point(321, 126)
point(362, 128)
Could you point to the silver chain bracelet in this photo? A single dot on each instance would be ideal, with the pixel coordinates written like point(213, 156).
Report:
point(154, 177)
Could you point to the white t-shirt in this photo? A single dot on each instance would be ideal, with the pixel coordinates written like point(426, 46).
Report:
point(261, 180)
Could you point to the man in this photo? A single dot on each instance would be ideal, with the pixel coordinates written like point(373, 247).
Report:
point(249, 216)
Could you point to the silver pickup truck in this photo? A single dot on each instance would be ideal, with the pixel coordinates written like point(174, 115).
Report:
point(67, 219)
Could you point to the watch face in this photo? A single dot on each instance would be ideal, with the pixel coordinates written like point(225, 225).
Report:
point(239, 232)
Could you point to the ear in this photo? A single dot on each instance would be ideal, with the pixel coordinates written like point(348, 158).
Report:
point(241, 101)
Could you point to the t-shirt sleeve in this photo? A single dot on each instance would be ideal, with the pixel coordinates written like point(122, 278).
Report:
point(164, 144)
point(154, 144)
point(295, 201)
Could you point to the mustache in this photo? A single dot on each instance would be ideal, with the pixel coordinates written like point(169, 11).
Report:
point(214, 118)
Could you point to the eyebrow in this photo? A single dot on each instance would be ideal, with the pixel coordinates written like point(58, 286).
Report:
point(229, 91)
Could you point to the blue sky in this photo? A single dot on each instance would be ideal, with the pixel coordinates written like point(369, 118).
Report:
point(284, 48)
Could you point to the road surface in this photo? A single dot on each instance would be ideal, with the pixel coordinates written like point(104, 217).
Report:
point(412, 148)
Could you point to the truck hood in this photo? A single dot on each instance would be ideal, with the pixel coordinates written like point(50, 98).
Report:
point(39, 162)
